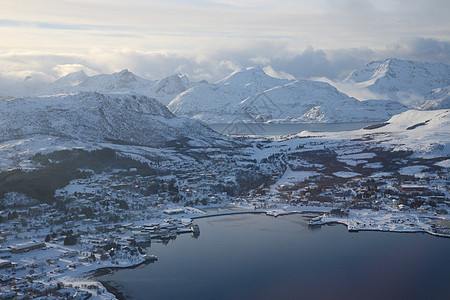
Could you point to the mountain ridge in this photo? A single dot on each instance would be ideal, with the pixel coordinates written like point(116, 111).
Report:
point(91, 116)
point(401, 80)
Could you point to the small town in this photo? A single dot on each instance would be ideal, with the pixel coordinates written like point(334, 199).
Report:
point(110, 220)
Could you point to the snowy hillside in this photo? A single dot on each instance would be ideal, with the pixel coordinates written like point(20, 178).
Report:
point(166, 89)
point(438, 99)
point(313, 101)
point(217, 102)
point(90, 116)
point(70, 80)
point(427, 133)
point(403, 80)
point(123, 81)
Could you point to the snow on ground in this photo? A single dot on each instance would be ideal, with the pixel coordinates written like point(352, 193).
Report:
point(376, 165)
point(352, 162)
point(412, 170)
point(444, 163)
point(344, 174)
point(354, 159)
point(424, 132)
point(382, 220)
point(15, 153)
point(381, 174)
point(292, 177)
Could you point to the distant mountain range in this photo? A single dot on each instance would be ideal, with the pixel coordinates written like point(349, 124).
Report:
point(251, 95)
point(121, 82)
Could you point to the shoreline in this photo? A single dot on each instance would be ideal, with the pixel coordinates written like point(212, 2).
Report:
point(381, 230)
point(121, 294)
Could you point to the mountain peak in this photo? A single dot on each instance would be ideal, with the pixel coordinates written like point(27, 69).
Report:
point(248, 76)
point(401, 79)
point(167, 88)
point(71, 79)
point(76, 74)
point(123, 81)
point(79, 73)
point(125, 72)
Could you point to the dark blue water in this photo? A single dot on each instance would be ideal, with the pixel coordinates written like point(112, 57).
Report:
point(282, 129)
point(261, 257)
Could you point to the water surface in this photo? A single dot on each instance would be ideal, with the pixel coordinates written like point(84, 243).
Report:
point(261, 257)
point(281, 129)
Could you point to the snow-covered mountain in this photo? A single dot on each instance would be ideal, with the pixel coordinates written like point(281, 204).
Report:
point(163, 90)
point(120, 82)
point(123, 81)
point(438, 99)
point(216, 102)
point(166, 89)
point(314, 101)
point(70, 80)
point(90, 116)
point(252, 95)
point(401, 80)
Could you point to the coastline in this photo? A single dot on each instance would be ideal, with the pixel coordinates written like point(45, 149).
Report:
point(116, 291)
point(356, 222)
point(380, 230)
point(120, 294)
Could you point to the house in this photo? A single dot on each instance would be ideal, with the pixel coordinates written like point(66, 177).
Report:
point(5, 253)
point(173, 211)
point(21, 248)
point(412, 188)
point(4, 263)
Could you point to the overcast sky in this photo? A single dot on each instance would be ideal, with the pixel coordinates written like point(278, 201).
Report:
point(209, 39)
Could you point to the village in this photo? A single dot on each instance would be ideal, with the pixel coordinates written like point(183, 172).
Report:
point(110, 220)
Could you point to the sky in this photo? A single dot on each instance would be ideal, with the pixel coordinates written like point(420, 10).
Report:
point(209, 39)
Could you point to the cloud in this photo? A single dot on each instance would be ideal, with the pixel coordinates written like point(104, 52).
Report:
point(278, 57)
point(309, 63)
point(419, 48)
point(282, 75)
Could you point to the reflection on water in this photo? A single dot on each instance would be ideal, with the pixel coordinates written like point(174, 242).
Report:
point(260, 257)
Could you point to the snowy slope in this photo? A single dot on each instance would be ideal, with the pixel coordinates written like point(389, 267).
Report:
point(30, 87)
point(314, 101)
point(90, 116)
point(217, 102)
point(438, 99)
point(70, 80)
point(123, 81)
point(420, 131)
point(425, 132)
point(120, 82)
point(403, 80)
point(166, 89)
